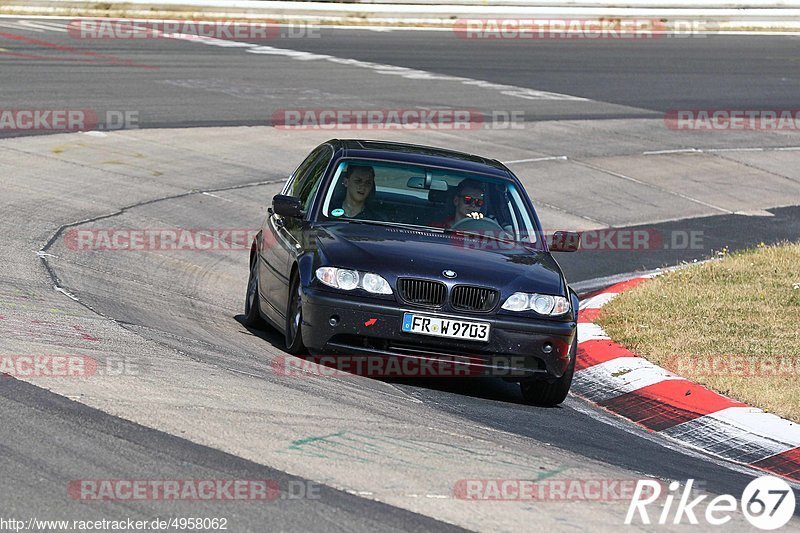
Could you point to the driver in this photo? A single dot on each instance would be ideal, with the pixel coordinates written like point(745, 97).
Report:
point(359, 182)
point(468, 201)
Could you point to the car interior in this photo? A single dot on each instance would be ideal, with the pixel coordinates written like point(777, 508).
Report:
point(407, 197)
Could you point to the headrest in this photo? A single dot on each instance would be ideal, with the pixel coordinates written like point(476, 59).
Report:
point(438, 197)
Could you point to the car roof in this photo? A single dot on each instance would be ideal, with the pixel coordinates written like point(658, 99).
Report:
point(418, 154)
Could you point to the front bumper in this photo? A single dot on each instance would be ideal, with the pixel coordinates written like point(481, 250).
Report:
point(344, 325)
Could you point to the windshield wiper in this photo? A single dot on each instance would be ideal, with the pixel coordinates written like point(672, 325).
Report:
point(383, 223)
point(433, 229)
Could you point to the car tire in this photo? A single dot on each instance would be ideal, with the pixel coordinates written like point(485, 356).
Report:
point(547, 394)
point(252, 306)
point(294, 318)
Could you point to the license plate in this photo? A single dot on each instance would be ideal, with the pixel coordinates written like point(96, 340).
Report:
point(445, 327)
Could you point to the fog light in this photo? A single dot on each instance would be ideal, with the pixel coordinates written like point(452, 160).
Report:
point(547, 347)
point(333, 320)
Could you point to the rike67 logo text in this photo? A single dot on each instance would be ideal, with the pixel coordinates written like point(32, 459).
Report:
point(767, 503)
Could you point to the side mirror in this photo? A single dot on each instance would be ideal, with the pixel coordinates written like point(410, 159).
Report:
point(287, 206)
point(565, 241)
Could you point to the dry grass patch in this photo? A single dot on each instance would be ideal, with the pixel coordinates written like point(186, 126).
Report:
point(732, 325)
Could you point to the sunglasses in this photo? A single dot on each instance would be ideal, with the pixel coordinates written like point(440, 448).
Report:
point(472, 200)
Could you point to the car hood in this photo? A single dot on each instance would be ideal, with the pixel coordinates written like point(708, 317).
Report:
point(398, 252)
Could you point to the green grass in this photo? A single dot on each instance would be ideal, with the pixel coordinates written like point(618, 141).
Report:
point(731, 324)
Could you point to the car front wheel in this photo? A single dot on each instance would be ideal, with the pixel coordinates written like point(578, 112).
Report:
point(252, 307)
point(551, 394)
point(294, 318)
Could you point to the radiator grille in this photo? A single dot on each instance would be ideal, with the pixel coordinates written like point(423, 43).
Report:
point(468, 298)
point(422, 291)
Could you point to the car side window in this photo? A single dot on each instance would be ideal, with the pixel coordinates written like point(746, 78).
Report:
point(308, 175)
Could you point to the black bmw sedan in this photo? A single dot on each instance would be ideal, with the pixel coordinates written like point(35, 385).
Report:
point(395, 251)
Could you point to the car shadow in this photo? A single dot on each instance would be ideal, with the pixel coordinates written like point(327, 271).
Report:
point(484, 388)
point(265, 332)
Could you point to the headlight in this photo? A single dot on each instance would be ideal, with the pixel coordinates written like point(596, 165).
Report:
point(375, 284)
point(516, 302)
point(342, 278)
point(543, 304)
point(327, 275)
point(347, 279)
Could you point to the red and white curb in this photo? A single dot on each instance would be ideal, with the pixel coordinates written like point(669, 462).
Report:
point(616, 379)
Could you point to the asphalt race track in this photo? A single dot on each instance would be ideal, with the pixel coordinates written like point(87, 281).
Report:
point(197, 395)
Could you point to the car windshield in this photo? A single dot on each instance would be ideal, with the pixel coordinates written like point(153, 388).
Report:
point(401, 193)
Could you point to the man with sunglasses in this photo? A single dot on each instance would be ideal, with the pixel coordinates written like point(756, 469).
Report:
point(468, 201)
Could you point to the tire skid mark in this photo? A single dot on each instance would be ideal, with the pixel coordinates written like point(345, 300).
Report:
point(44, 330)
point(96, 56)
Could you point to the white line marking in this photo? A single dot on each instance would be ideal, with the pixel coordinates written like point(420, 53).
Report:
point(15, 26)
point(219, 197)
point(755, 213)
point(47, 26)
point(537, 159)
point(676, 151)
point(408, 73)
point(66, 293)
point(652, 186)
point(716, 150)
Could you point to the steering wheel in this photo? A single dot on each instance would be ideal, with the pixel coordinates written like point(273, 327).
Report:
point(479, 224)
